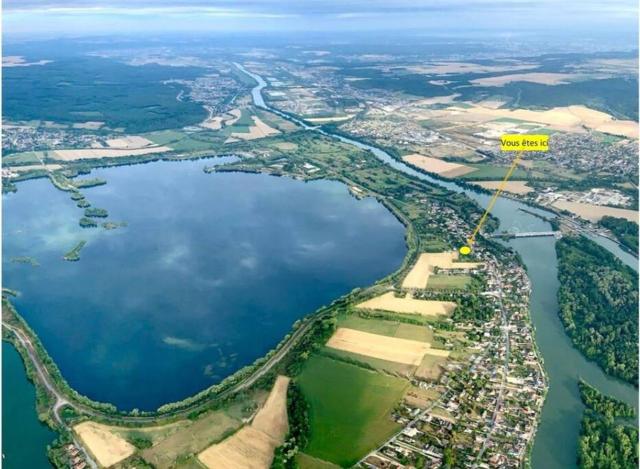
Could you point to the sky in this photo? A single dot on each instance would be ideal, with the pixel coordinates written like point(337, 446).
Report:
point(438, 17)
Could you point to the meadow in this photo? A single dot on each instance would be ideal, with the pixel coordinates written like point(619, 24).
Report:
point(350, 409)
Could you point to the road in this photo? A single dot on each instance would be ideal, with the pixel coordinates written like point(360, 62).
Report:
point(505, 373)
point(61, 400)
point(45, 379)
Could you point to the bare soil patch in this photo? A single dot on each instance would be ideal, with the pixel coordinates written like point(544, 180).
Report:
point(409, 352)
point(256, 131)
point(96, 153)
point(107, 447)
point(419, 274)
point(515, 187)
point(408, 305)
point(542, 78)
point(595, 212)
point(435, 165)
point(252, 447)
point(272, 418)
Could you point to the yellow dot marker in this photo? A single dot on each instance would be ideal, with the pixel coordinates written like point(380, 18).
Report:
point(510, 142)
point(465, 250)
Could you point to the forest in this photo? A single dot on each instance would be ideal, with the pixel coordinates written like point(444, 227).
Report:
point(604, 442)
point(625, 231)
point(598, 298)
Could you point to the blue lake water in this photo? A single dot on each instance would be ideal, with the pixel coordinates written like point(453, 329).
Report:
point(210, 273)
point(24, 438)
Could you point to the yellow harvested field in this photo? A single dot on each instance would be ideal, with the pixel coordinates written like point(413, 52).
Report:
point(542, 78)
point(515, 187)
point(258, 130)
point(107, 447)
point(408, 305)
point(593, 212)
point(129, 142)
point(235, 115)
point(90, 125)
point(568, 119)
point(252, 447)
point(247, 449)
point(95, 153)
point(419, 274)
point(212, 123)
point(435, 165)
point(409, 352)
point(272, 418)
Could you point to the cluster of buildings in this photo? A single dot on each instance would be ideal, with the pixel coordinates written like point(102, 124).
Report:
point(21, 137)
point(598, 196)
point(399, 132)
point(216, 91)
point(588, 152)
point(76, 458)
point(488, 403)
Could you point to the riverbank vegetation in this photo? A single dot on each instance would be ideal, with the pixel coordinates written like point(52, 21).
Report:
point(598, 298)
point(604, 442)
point(625, 231)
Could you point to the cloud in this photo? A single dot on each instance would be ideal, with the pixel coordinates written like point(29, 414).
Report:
point(429, 16)
point(184, 344)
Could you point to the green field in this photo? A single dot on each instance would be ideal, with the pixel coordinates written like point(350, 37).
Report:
point(388, 328)
point(369, 363)
point(349, 409)
point(448, 282)
point(492, 172)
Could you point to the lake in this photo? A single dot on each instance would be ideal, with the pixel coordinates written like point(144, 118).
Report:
point(24, 438)
point(209, 274)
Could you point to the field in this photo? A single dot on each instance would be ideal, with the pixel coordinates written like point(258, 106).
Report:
point(256, 130)
point(435, 165)
point(514, 187)
point(189, 439)
point(448, 282)
point(106, 446)
point(490, 172)
point(350, 409)
point(533, 77)
point(568, 118)
point(396, 329)
point(418, 276)
point(248, 448)
point(595, 212)
point(429, 368)
point(309, 462)
point(272, 418)
point(409, 305)
point(409, 352)
point(253, 445)
point(94, 153)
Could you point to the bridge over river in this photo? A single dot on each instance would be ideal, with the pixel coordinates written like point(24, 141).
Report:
point(530, 234)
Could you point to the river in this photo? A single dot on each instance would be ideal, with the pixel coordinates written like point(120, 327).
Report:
point(556, 441)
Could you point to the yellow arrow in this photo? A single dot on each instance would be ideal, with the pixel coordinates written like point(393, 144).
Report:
point(467, 249)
